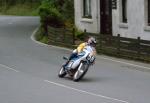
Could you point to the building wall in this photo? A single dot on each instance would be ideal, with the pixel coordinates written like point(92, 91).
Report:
point(136, 26)
point(136, 13)
point(91, 25)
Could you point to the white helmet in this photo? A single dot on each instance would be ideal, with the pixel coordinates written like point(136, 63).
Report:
point(91, 41)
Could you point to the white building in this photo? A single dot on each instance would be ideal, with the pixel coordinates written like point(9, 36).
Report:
point(129, 18)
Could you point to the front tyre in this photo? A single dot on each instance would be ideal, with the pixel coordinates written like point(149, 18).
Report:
point(62, 72)
point(80, 72)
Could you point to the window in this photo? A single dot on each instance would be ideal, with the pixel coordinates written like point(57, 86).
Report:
point(87, 9)
point(148, 12)
point(124, 11)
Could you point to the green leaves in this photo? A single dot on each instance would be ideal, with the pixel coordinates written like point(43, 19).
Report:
point(50, 14)
point(57, 12)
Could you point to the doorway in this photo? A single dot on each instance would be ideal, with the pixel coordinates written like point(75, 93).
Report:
point(106, 17)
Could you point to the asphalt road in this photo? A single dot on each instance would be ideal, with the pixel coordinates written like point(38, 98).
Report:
point(28, 72)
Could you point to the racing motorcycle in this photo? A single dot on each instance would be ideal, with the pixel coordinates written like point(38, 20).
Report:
point(78, 66)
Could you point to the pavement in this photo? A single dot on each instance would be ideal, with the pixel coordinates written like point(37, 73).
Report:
point(28, 72)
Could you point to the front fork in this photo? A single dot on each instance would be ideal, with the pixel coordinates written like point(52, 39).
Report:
point(79, 68)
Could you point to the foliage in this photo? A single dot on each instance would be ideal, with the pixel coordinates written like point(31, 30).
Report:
point(19, 7)
point(49, 14)
point(41, 37)
point(68, 11)
point(57, 13)
point(44, 39)
point(39, 34)
point(79, 34)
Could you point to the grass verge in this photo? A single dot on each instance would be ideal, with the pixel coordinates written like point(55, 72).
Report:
point(39, 36)
point(20, 10)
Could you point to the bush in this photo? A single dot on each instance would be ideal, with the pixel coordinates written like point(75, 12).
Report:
point(41, 37)
point(50, 15)
point(68, 11)
point(39, 34)
point(79, 34)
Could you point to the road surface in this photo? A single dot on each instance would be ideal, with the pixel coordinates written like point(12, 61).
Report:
point(28, 72)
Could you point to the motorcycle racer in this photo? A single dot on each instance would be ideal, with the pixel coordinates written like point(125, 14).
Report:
point(90, 42)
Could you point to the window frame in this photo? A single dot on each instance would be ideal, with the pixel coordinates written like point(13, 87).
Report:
point(87, 9)
point(124, 18)
point(148, 13)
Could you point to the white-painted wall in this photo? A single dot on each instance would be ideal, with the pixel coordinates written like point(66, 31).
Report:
point(136, 26)
point(91, 25)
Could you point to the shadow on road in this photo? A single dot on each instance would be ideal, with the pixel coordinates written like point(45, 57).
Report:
point(91, 79)
point(86, 79)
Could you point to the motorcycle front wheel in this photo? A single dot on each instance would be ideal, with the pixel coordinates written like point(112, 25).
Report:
point(80, 72)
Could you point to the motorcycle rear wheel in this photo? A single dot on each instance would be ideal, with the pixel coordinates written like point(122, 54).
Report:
point(62, 72)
